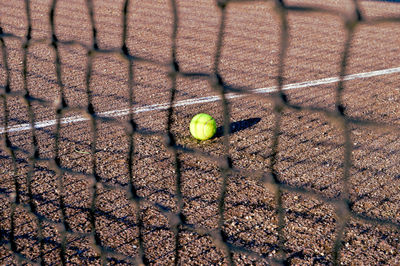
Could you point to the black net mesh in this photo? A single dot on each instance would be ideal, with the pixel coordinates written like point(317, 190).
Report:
point(23, 201)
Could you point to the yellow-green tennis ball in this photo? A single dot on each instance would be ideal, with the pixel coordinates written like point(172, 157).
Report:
point(203, 126)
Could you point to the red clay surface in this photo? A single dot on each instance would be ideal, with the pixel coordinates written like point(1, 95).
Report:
point(310, 151)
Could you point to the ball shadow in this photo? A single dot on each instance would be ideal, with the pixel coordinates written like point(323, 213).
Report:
point(237, 126)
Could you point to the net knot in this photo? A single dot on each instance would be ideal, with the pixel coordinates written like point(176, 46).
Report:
point(222, 3)
point(217, 82)
point(170, 140)
point(125, 50)
point(341, 109)
point(54, 41)
point(7, 89)
point(284, 97)
point(174, 68)
point(90, 109)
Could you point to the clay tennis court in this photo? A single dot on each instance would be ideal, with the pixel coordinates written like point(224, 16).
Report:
point(304, 183)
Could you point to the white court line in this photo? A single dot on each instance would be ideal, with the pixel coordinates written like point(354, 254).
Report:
point(164, 106)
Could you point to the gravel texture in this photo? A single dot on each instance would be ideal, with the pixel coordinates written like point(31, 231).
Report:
point(311, 148)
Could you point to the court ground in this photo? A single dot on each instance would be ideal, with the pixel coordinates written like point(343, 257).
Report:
point(303, 179)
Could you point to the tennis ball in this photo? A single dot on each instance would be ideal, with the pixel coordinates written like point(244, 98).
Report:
point(203, 126)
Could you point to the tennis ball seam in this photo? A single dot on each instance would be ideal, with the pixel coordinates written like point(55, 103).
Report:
point(205, 127)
